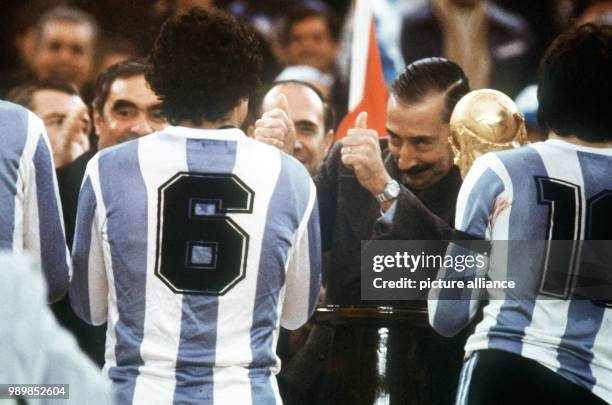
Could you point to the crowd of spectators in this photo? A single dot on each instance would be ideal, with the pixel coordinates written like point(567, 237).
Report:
point(497, 43)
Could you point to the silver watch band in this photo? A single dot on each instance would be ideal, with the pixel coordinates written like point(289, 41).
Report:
point(390, 192)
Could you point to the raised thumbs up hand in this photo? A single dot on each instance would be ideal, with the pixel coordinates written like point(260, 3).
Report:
point(362, 120)
point(72, 139)
point(282, 103)
point(361, 152)
point(275, 128)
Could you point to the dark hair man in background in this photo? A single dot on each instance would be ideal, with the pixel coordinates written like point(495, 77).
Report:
point(309, 38)
point(124, 108)
point(211, 238)
point(65, 46)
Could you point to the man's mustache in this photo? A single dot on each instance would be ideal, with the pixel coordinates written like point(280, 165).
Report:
point(416, 170)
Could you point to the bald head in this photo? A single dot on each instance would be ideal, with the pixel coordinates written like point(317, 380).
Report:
point(308, 112)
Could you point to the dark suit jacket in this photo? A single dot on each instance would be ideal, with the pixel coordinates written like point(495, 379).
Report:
point(509, 39)
point(69, 179)
point(349, 214)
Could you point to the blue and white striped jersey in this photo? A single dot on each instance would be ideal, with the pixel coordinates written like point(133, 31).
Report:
point(30, 211)
point(195, 245)
point(549, 190)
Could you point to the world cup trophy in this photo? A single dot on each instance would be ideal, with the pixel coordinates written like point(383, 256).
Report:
point(483, 121)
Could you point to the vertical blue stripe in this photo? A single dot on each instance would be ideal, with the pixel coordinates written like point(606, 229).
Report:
point(52, 240)
point(13, 135)
point(453, 304)
point(453, 307)
point(198, 336)
point(286, 209)
point(596, 175)
point(79, 287)
point(527, 222)
point(477, 208)
point(314, 251)
point(595, 172)
point(575, 349)
point(465, 378)
point(125, 197)
point(461, 387)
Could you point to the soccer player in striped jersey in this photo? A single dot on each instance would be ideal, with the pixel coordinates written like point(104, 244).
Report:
point(30, 211)
point(544, 349)
point(197, 243)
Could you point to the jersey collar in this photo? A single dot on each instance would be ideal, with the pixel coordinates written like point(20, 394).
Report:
point(568, 145)
point(222, 134)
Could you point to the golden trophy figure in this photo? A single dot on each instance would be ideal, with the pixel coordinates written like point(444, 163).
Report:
point(484, 121)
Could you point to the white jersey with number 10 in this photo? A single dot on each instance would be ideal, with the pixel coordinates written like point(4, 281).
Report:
point(552, 190)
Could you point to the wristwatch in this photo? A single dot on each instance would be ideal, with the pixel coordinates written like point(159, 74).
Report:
point(390, 193)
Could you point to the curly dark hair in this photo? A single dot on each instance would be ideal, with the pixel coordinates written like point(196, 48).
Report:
point(203, 63)
point(574, 86)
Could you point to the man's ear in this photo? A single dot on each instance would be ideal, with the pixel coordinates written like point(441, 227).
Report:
point(97, 119)
point(241, 111)
point(251, 131)
point(329, 140)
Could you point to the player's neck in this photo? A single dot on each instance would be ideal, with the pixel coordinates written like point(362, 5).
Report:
point(577, 141)
point(233, 118)
point(219, 124)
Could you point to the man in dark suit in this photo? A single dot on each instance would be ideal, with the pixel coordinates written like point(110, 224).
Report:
point(403, 187)
point(124, 108)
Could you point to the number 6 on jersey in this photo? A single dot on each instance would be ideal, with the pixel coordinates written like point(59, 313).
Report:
point(201, 250)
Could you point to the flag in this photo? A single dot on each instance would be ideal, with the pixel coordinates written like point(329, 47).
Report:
point(367, 90)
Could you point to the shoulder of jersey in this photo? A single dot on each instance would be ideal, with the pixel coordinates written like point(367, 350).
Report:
point(10, 111)
point(513, 154)
point(525, 149)
point(295, 164)
point(115, 148)
point(273, 150)
point(252, 143)
point(6, 107)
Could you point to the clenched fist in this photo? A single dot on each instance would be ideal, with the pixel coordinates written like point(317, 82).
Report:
point(361, 152)
point(72, 139)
